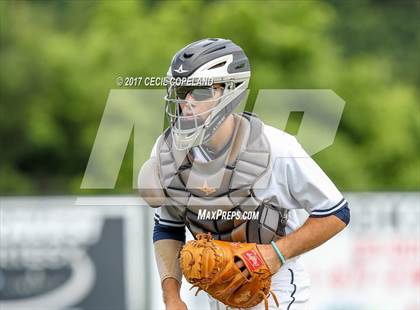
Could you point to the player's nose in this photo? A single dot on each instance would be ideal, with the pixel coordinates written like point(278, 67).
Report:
point(187, 108)
point(189, 97)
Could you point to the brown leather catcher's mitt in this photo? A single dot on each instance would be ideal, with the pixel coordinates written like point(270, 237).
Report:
point(210, 265)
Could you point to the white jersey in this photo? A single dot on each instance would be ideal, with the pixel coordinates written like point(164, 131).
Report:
point(296, 183)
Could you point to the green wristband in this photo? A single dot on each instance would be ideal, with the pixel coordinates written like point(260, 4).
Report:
point(276, 249)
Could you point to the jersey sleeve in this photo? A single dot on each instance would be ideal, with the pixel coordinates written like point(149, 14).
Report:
point(168, 225)
point(311, 187)
point(164, 216)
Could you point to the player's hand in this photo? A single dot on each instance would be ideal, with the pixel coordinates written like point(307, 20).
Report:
point(270, 257)
point(176, 304)
point(171, 297)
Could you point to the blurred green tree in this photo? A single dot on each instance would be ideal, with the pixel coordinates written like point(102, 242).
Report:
point(59, 59)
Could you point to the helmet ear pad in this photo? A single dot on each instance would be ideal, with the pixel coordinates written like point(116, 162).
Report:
point(229, 86)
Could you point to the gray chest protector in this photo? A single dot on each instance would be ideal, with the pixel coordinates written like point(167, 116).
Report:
point(195, 189)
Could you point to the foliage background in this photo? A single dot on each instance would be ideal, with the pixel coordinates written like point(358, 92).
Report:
point(59, 60)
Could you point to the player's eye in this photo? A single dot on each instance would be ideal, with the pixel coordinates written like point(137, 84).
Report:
point(197, 93)
point(201, 94)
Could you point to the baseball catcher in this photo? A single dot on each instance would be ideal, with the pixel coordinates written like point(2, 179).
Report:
point(210, 168)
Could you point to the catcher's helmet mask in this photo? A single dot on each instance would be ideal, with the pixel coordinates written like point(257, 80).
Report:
point(227, 65)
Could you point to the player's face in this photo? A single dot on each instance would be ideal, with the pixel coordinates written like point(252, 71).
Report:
point(188, 107)
point(200, 100)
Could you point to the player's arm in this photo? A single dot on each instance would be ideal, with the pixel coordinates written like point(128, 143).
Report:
point(311, 188)
point(322, 225)
point(314, 232)
point(168, 241)
point(168, 234)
